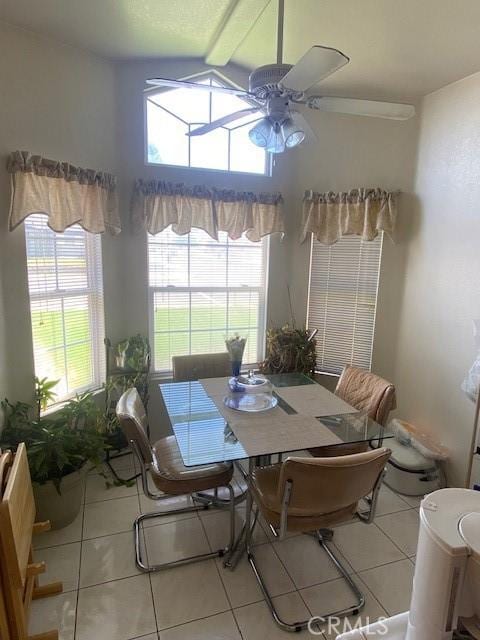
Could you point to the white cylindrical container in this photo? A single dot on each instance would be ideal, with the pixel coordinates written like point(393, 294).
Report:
point(440, 565)
point(469, 528)
point(446, 583)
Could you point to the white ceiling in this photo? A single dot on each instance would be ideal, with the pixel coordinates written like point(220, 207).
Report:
point(399, 49)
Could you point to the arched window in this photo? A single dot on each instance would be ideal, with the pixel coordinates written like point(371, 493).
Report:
point(172, 113)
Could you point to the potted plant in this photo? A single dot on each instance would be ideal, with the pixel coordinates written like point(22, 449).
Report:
point(289, 350)
point(128, 366)
point(60, 447)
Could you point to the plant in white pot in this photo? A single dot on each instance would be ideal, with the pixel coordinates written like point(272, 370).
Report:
point(59, 448)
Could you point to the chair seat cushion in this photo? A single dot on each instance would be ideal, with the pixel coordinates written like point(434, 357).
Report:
point(172, 476)
point(264, 489)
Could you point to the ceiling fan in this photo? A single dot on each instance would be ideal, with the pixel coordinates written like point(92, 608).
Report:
point(275, 90)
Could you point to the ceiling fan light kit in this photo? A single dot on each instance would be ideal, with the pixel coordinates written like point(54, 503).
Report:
point(277, 91)
point(292, 131)
point(260, 133)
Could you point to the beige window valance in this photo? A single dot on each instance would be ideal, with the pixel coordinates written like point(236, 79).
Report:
point(360, 212)
point(156, 205)
point(66, 194)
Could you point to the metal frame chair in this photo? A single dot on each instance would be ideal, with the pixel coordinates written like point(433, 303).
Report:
point(201, 365)
point(368, 393)
point(310, 495)
point(163, 463)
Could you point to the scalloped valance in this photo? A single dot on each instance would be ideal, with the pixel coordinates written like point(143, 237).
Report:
point(157, 205)
point(360, 212)
point(66, 194)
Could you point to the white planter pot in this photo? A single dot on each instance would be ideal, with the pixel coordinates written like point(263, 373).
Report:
point(60, 508)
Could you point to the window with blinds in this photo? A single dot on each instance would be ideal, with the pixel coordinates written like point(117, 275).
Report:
point(203, 290)
point(66, 304)
point(342, 301)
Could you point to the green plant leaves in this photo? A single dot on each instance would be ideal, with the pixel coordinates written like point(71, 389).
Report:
point(288, 350)
point(59, 443)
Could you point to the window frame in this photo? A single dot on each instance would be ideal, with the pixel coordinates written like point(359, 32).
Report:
point(325, 371)
point(220, 78)
point(94, 292)
point(263, 300)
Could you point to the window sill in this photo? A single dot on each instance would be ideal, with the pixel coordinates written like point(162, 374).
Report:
point(181, 167)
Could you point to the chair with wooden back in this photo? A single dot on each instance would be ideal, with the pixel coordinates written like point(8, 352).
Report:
point(5, 464)
point(19, 573)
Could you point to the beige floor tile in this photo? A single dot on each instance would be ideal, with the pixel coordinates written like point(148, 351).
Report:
point(217, 527)
point(57, 612)
point(126, 463)
point(108, 558)
point(110, 516)
point(118, 610)
point(241, 584)
point(124, 466)
point(99, 488)
point(167, 506)
point(188, 592)
point(256, 622)
point(221, 627)
point(329, 597)
point(413, 501)
point(365, 546)
point(305, 561)
point(71, 533)
point(62, 563)
point(402, 528)
point(268, 531)
point(391, 584)
point(223, 492)
point(175, 540)
point(390, 502)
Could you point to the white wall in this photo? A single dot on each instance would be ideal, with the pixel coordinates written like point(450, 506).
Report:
point(57, 102)
point(357, 152)
point(130, 118)
point(87, 112)
point(66, 104)
point(442, 291)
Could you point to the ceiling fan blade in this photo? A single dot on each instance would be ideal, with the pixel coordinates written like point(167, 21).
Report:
point(231, 117)
point(185, 84)
point(315, 65)
point(372, 108)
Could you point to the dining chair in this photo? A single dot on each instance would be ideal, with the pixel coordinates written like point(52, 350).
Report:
point(163, 463)
point(366, 392)
point(310, 495)
point(203, 365)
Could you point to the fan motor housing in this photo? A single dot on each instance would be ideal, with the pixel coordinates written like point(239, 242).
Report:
point(264, 80)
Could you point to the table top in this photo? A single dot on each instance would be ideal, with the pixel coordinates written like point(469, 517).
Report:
point(204, 436)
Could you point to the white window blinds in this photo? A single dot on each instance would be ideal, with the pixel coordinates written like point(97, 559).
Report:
point(201, 291)
point(342, 301)
point(66, 303)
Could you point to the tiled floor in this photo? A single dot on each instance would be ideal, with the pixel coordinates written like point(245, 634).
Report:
point(106, 597)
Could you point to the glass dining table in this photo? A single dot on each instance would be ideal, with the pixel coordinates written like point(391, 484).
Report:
point(205, 437)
